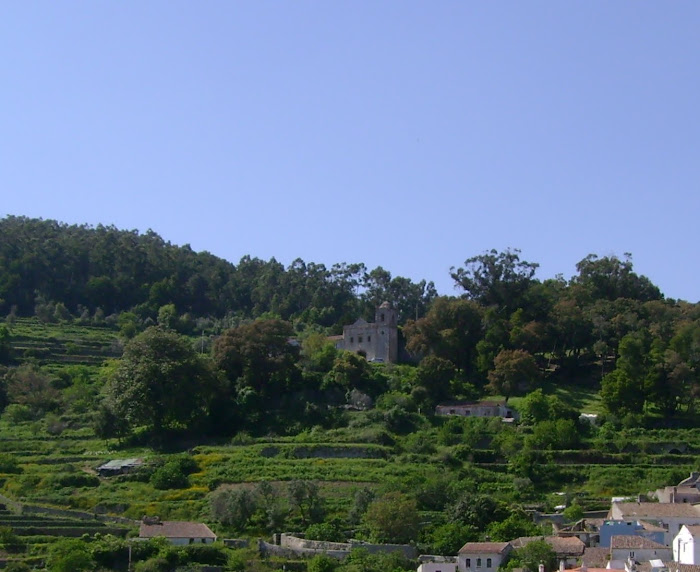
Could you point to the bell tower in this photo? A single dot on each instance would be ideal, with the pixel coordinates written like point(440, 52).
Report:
point(385, 315)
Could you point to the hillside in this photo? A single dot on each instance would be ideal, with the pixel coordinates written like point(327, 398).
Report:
point(249, 418)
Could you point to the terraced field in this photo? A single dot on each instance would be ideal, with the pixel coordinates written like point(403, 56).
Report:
point(61, 344)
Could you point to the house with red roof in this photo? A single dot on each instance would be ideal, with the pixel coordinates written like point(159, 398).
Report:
point(177, 532)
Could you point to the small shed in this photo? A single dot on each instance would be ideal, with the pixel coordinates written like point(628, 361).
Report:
point(118, 467)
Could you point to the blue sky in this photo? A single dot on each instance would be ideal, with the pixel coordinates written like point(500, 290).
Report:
point(408, 135)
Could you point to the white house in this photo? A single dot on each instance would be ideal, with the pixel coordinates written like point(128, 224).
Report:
point(637, 548)
point(177, 532)
point(482, 556)
point(670, 515)
point(686, 545)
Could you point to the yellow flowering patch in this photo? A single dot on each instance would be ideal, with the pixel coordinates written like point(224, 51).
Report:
point(193, 493)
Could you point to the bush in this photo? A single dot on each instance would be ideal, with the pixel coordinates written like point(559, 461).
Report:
point(169, 476)
point(322, 563)
point(324, 531)
point(157, 564)
point(173, 474)
point(214, 555)
point(16, 413)
point(8, 464)
point(10, 541)
point(77, 480)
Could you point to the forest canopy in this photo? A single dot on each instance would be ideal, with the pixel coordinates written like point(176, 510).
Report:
point(507, 332)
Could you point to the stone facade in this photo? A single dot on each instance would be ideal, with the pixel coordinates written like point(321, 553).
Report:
point(477, 409)
point(377, 341)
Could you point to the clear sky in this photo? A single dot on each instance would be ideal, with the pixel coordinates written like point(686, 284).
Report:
point(404, 134)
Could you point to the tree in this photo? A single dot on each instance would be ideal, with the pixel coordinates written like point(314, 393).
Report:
point(624, 389)
point(554, 434)
point(611, 278)
point(70, 555)
point(161, 383)
point(269, 509)
point(5, 346)
point(351, 371)
point(259, 356)
point(393, 518)
point(513, 371)
point(450, 537)
point(435, 375)
point(496, 278)
point(537, 407)
point(534, 553)
point(477, 511)
point(361, 501)
point(410, 300)
point(516, 525)
point(27, 385)
point(574, 512)
point(450, 330)
point(234, 507)
point(304, 497)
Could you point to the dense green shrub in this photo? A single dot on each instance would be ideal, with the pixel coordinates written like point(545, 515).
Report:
point(8, 464)
point(325, 531)
point(169, 476)
point(77, 480)
point(173, 474)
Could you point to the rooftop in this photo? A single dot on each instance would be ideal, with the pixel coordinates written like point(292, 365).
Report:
point(631, 541)
point(176, 529)
point(484, 547)
point(569, 546)
point(596, 557)
point(657, 510)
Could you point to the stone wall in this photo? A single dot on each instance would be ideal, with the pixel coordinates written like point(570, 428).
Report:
point(23, 508)
point(302, 546)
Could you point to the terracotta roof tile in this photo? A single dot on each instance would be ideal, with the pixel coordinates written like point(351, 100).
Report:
point(658, 509)
point(596, 557)
point(484, 547)
point(563, 546)
point(631, 541)
point(677, 567)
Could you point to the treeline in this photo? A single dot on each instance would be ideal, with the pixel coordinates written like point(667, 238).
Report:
point(507, 333)
point(83, 270)
point(607, 325)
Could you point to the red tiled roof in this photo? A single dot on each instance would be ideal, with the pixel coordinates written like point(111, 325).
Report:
point(658, 509)
point(484, 547)
point(678, 567)
point(176, 529)
point(563, 546)
point(596, 557)
point(631, 541)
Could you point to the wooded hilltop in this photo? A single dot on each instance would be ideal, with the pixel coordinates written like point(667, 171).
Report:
point(120, 339)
